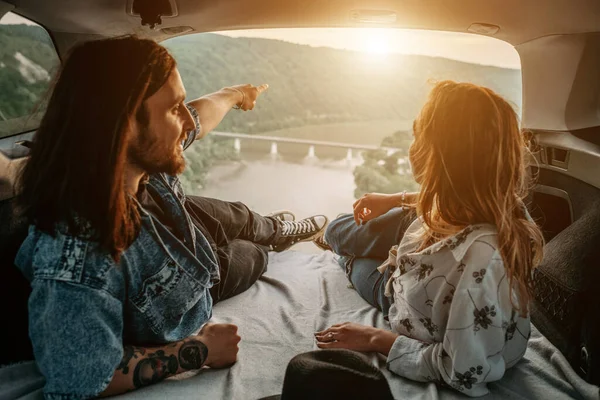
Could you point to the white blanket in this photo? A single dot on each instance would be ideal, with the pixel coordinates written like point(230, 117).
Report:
point(277, 317)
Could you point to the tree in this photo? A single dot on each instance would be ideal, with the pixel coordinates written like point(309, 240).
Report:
point(386, 173)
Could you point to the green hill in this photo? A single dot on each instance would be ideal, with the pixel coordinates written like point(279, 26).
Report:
point(27, 63)
point(308, 85)
point(312, 86)
point(315, 93)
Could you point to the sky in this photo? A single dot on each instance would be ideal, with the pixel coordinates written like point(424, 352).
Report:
point(459, 46)
point(380, 42)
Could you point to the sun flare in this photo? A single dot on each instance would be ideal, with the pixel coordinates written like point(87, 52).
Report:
point(376, 41)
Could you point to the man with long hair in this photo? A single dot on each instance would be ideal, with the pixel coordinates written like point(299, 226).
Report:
point(124, 267)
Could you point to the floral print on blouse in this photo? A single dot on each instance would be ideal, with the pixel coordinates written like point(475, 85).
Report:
point(453, 312)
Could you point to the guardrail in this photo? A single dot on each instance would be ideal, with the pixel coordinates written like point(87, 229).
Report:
point(238, 137)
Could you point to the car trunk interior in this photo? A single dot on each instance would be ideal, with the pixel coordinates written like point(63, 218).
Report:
point(559, 46)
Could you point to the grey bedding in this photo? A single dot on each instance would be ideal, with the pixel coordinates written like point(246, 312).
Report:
point(299, 295)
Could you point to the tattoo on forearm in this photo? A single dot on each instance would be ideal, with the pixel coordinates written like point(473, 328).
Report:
point(129, 352)
point(157, 365)
point(192, 354)
point(155, 368)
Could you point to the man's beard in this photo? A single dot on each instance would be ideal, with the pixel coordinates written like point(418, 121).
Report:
point(153, 158)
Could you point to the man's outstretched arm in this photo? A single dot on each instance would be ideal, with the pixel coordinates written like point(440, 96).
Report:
point(213, 107)
point(216, 346)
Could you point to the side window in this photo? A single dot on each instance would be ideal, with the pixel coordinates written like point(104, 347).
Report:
point(28, 61)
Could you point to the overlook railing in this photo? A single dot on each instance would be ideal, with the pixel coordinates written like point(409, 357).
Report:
point(238, 137)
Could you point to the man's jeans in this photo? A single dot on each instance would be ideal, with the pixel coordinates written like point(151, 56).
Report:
point(364, 248)
point(240, 239)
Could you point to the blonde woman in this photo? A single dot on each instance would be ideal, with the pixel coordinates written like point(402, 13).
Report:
point(456, 289)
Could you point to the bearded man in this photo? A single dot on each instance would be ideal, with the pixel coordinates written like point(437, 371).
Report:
point(124, 267)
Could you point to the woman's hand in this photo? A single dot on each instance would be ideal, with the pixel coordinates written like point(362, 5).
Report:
point(357, 337)
point(372, 205)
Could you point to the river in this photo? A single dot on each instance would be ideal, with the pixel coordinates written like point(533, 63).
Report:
point(306, 186)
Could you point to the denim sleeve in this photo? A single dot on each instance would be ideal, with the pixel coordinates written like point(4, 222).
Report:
point(198, 128)
point(76, 334)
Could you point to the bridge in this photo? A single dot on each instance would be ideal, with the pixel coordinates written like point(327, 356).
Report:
point(238, 137)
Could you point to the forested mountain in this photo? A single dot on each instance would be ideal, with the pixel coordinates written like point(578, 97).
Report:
point(308, 85)
point(27, 63)
point(311, 85)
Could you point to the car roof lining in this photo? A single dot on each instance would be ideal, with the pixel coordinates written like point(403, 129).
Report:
point(519, 21)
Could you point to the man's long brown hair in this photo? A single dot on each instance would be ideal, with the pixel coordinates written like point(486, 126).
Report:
point(75, 175)
point(469, 155)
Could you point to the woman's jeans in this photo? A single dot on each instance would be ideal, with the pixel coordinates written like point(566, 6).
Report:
point(364, 248)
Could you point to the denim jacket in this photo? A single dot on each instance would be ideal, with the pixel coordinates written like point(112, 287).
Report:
point(84, 306)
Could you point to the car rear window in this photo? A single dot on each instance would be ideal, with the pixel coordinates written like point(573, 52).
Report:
point(336, 121)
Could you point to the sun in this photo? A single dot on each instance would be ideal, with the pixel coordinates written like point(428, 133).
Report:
point(375, 41)
point(377, 47)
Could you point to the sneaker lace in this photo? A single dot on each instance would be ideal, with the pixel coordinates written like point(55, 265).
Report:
point(293, 228)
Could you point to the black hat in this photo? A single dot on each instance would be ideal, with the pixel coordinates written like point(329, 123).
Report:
point(333, 374)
